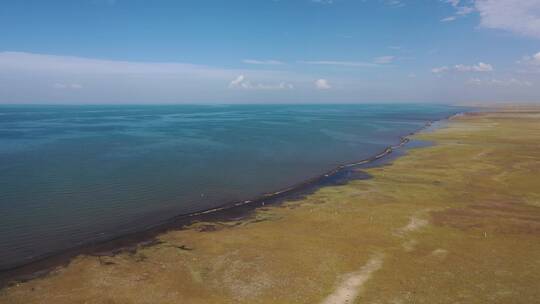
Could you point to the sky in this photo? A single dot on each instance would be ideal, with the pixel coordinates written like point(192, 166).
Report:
point(269, 51)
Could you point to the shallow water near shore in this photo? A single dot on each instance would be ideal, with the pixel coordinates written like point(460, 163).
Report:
point(77, 174)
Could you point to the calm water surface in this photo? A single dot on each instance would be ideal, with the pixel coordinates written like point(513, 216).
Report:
point(73, 174)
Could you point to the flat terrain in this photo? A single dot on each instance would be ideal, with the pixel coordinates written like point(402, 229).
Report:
point(456, 222)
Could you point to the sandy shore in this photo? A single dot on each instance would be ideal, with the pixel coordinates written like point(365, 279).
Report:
point(458, 221)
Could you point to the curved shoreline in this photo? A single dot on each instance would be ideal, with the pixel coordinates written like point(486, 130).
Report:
point(44, 264)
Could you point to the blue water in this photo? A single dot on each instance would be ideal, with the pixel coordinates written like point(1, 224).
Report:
point(74, 174)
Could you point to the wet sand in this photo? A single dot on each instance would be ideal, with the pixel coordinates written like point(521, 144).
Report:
point(458, 221)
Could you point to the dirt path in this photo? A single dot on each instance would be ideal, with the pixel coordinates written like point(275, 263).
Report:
point(351, 284)
point(414, 224)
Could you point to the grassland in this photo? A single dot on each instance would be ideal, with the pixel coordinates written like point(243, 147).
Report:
point(455, 222)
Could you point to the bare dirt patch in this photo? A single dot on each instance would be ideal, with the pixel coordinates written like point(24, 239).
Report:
point(351, 284)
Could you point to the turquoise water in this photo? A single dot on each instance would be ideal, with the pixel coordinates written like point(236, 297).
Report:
point(74, 174)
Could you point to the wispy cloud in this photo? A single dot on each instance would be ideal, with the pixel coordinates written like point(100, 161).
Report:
point(384, 59)
point(461, 10)
point(533, 60)
point(81, 65)
point(341, 63)
point(27, 77)
point(479, 67)
point(262, 62)
point(448, 19)
point(376, 62)
point(530, 64)
point(322, 84)
point(241, 82)
point(521, 17)
point(464, 10)
point(69, 86)
point(500, 82)
point(440, 69)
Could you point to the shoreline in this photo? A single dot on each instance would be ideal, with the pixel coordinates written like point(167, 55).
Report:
point(43, 265)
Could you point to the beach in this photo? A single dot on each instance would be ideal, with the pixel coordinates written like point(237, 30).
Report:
point(457, 220)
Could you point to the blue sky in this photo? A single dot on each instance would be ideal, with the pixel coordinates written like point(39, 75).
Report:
point(269, 51)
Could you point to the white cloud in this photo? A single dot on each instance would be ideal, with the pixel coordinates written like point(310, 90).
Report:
point(322, 84)
point(480, 67)
point(237, 81)
point(460, 10)
point(31, 78)
point(464, 10)
point(500, 82)
point(439, 70)
point(384, 59)
point(448, 19)
point(79, 65)
point(323, 1)
point(533, 60)
point(262, 62)
point(476, 81)
point(241, 82)
point(536, 58)
point(377, 61)
point(530, 64)
point(518, 16)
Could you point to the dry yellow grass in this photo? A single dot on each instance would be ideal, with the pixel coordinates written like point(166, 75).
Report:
point(456, 222)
